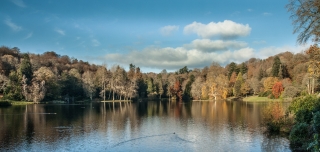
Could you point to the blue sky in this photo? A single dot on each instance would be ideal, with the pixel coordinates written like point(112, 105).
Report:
point(152, 34)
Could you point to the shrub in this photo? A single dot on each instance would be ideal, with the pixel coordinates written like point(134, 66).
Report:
point(265, 94)
point(303, 115)
point(315, 144)
point(316, 122)
point(291, 92)
point(274, 117)
point(5, 103)
point(309, 103)
point(299, 135)
point(305, 132)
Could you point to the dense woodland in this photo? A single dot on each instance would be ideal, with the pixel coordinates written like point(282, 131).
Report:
point(50, 76)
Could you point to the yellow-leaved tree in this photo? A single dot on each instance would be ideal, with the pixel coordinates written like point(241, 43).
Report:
point(269, 82)
point(218, 86)
point(313, 67)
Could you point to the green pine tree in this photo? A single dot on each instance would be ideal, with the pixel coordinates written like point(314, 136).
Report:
point(151, 86)
point(26, 68)
point(237, 85)
point(276, 66)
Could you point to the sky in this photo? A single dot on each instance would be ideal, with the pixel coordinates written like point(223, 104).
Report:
point(151, 34)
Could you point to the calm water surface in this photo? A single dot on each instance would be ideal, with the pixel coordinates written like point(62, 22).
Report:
point(144, 126)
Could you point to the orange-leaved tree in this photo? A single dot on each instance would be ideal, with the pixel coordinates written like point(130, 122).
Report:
point(177, 90)
point(277, 89)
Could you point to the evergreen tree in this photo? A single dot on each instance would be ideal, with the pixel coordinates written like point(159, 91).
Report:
point(187, 90)
point(276, 66)
point(183, 70)
point(284, 70)
point(243, 68)
point(26, 69)
point(237, 85)
point(161, 90)
point(280, 74)
point(231, 68)
point(262, 74)
point(150, 88)
point(14, 90)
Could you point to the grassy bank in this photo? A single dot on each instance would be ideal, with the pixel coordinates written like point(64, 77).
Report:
point(20, 102)
point(263, 99)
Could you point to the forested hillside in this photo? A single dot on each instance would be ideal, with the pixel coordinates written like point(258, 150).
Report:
point(49, 76)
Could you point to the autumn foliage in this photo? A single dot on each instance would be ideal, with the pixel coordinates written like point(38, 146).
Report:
point(277, 89)
point(177, 91)
point(274, 117)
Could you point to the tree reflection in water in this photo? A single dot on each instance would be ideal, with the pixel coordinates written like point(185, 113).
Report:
point(194, 126)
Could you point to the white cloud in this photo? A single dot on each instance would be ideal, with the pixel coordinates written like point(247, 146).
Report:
point(225, 29)
point(61, 32)
point(29, 35)
point(270, 51)
point(12, 25)
point(95, 42)
point(169, 30)
point(19, 3)
point(174, 58)
point(207, 45)
point(249, 10)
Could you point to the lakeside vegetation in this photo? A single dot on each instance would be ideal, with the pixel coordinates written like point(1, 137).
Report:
point(259, 99)
point(5, 103)
point(265, 99)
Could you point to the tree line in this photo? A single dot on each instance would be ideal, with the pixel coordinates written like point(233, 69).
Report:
point(49, 76)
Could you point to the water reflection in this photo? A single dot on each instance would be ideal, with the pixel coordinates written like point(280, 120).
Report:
point(143, 126)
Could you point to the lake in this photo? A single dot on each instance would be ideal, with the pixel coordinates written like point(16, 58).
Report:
point(143, 126)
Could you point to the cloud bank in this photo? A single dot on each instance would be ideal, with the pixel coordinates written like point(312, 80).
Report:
point(200, 52)
point(207, 45)
point(174, 58)
point(226, 29)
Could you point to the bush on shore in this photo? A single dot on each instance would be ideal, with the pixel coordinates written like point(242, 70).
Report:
point(5, 103)
point(305, 132)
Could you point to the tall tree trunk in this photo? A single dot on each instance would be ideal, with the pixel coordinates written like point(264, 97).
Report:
point(309, 86)
point(104, 90)
point(113, 95)
point(313, 85)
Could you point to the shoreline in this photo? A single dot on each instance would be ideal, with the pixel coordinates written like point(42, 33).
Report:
point(264, 99)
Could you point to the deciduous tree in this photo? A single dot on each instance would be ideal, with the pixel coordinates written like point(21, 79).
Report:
point(196, 88)
point(88, 84)
point(277, 89)
point(269, 83)
point(237, 85)
point(305, 15)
